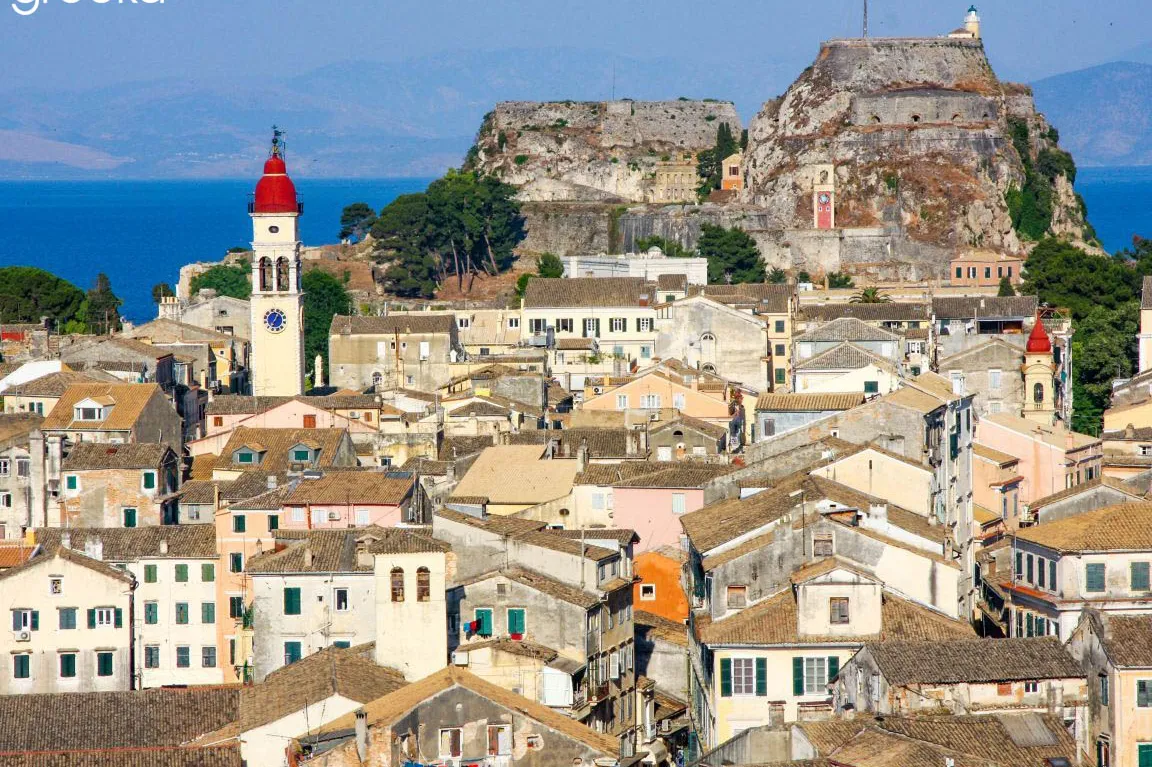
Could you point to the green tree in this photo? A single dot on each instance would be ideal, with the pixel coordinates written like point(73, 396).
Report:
point(840, 281)
point(670, 248)
point(732, 255)
point(777, 276)
point(522, 283)
point(160, 291)
point(1060, 274)
point(225, 279)
point(710, 161)
point(103, 307)
point(1103, 348)
point(870, 296)
point(356, 220)
point(803, 276)
point(28, 293)
point(1006, 288)
point(549, 265)
point(324, 297)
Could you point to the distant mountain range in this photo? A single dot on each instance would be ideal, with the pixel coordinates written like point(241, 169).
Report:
point(418, 117)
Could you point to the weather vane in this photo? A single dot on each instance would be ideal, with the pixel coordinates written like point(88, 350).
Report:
point(277, 142)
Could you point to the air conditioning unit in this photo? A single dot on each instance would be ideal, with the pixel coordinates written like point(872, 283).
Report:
point(459, 659)
point(333, 516)
point(22, 636)
point(597, 389)
point(653, 416)
point(353, 414)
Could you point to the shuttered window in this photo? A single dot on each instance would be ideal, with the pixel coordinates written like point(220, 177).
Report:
point(516, 620)
point(1094, 577)
point(1140, 576)
point(291, 601)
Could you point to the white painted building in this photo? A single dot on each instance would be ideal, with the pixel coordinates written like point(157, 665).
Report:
point(649, 265)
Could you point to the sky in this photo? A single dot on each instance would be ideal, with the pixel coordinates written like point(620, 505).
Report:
point(85, 44)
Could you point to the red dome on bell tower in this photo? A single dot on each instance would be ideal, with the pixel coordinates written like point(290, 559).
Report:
point(1038, 341)
point(275, 192)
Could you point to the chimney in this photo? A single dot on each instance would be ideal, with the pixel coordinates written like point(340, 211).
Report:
point(582, 455)
point(1069, 439)
point(94, 548)
point(630, 440)
point(1129, 432)
point(362, 735)
point(271, 482)
point(308, 555)
point(878, 512)
point(164, 546)
point(318, 375)
point(66, 539)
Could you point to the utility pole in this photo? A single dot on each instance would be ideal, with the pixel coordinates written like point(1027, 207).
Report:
point(865, 18)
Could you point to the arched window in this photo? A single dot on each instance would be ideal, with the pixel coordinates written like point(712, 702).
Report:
point(875, 119)
point(397, 584)
point(915, 118)
point(1038, 393)
point(265, 274)
point(707, 347)
point(282, 274)
point(708, 368)
point(423, 585)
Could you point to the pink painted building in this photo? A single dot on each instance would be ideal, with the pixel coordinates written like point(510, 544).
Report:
point(359, 414)
point(343, 499)
point(1052, 458)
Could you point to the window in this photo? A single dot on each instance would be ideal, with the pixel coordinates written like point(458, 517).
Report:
point(273, 522)
point(650, 401)
point(244, 456)
point(67, 665)
point(310, 421)
point(463, 322)
point(647, 592)
point(822, 545)
point(619, 324)
point(838, 610)
point(1052, 574)
point(499, 740)
point(590, 325)
point(1032, 687)
point(208, 657)
point(207, 612)
point(181, 573)
point(298, 514)
point(208, 572)
point(71, 482)
point(1040, 571)
point(959, 272)
point(517, 621)
point(781, 376)
point(151, 613)
point(236, 562)
point(24, 465)
point(152, 656)
point(363, 517)
point(129, 517)
point(239, 524)
point(483, 622)
point(182, 613)
point(235, 607)
point(743, 676)
point(1103, 690)
point(149, 573)
point(292, 653)
point(149, 480)
point(183, 656)
point(340, 600)
point(678, 506)
point(5, 467)
point(1094, 577)
point(291, 601)
point(450, 743)
point(621, 401)
point(423, 584)
point(564, 325)
point(737, 597)
point(1140, 576)
point(816, 674)
point(994, 380)
point(987, 272)
point(871, 387)
point(302, 456)
point(644, 324)
point(397, 584)
point(104, 616)
point(779, 326)
point(67, 618)
point(513, 322)
point(104, 664)
point(21, 666)
point(1028, 566)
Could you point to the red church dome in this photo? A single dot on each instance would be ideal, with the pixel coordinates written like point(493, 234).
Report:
point(1038, 341)
point(275, 192)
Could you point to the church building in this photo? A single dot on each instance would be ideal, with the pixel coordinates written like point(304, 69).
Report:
point(277, 303)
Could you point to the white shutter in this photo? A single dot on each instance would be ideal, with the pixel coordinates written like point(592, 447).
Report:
point(614, 665)
point(425, 350)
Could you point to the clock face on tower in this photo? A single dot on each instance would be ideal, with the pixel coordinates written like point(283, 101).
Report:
point(274, 320)
point(824, 198)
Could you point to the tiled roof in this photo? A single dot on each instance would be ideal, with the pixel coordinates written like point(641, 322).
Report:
point(797, 403)
point(707, 428)
point(659, 627)
point(199, 491)
point(721, 522)
point(847, 329)
point(14, 553)
point(276, 443)
point(992, 454)
point(622, 536)
point(518, 647)
point(675, 474)
point(774, 622)
point(602, 442)
point(163, 330)
point(457, 447)
point(388, 709)
point(1127, 638)
point(913, 399)
point(242, 404)
point(1142, 434)
point(269, 500)
point(973, 660)
point(893, 311)
point(1084, 487)
point(77, 721)
point(1122, 527)
point(427, 466)
point(53, 384)
point(359, 487)
point(541, 583)
point(73, 556)
point(561, 292)
point(129, 399)
point(677, 283)
point(516, 474)
point(984, 256)
point(529, 531)
point(333, 551)
point(88, 456)
point(766, 297)
point(846, 356)
point(130, 544)
point(480, 407)
point(15, 427)
point(983, 307)
point(874, 747)
point(227, 755)
point(575, 344)
point(331, 671)
point(400, 322)
point(935, 385)
point(1006, 740)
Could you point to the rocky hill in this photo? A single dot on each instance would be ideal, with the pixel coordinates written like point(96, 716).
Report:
point(924, 151)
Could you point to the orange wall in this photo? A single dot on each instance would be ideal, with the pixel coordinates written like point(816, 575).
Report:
point(664, 573)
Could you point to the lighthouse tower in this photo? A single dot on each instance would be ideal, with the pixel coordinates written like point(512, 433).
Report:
point(972, 22)
point(277, 302)
point(1039, 397)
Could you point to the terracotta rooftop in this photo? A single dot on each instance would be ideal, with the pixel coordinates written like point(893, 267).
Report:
point(845, 356)
point(993, 455)
point(798, 403)
point(973, 660)
point(893, 311)
point(55, 384)
point(358, 487)
point(846, 329)
point(131, 544)
point(1127, 639)
point(275, 445)
point(129, 401)
point(1084, 487)
point(574, 292)
point(398, 322)
point(88, 456)
point(675, 474)
point(517, 474)
point(983, 307)
point(1122, 527)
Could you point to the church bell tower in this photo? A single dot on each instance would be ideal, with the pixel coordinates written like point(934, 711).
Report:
point(277, 302)
point(1039, 397)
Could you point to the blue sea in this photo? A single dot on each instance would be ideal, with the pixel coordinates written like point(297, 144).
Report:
point(142, 232)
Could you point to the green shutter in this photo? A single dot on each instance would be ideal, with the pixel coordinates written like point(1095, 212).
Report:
point(1140, 576)
point(1144, 755)
point(35, 620)
point(516, 621)
point(151, 613)
point(762, 676)
point(149, 573)
point(484, 617)
point(1094, 577)
point(292, 601)
point(273, 522)
point(118, 618)
point(797, 676)
point(207, 612)
point(91, 619)
point(833, 667)
point(725, 677)
point(149, 480)
point(207, 573)
point(181, 573)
